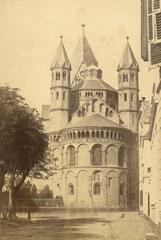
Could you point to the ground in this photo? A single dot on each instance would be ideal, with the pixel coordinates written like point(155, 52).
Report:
point(68, 225)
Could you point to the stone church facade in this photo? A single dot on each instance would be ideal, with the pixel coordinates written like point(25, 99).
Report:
point(93, 130)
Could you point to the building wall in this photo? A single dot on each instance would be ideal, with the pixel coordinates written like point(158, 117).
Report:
point(84, 183)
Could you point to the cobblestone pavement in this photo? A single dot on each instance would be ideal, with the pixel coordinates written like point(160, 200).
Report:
point(66, 225)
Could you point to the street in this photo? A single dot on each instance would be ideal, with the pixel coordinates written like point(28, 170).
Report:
point(65, 225)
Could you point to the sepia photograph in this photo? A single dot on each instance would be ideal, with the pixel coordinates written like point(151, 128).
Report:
point(80, 119)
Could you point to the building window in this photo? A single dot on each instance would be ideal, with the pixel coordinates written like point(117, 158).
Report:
point(97, 188)
point(57, 75)
point(63, 95)
point(57, 95)
point(141, 197)
point(64, 75)
point(148, 169)
point(71, 189)
point(97, 176)
point(132, 77)
point(121, 157)
point(97, 155)
point(125, 77)
point(132, 96)
point(125, 97)
point(71, 156)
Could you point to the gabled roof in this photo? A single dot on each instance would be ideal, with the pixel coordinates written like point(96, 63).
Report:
point(95, 120)
point(128, 59)
point(61, 58)
point(95, 84)
point(83, 55)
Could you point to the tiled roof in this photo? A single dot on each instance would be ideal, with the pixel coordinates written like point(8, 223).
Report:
point(83, 55)
point(93, 85)
point(61, 58)
point(95, 120)
point(128, 59)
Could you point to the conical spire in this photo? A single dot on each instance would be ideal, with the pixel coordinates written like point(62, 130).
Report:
point(128, 59)
point(61, 58)
point(83, 54)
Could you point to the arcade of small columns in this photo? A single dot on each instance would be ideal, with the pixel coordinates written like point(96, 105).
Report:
point(92, 174)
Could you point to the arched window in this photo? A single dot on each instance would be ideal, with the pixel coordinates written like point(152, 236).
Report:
point(121, 190)
point(125, 77)
point(121, 156)
point(83, 112)
point(71, 189)
point(132, 77)
point(57, 75)
point(102, 134)
point(79, 134)
point(71, 155)
point(87, 134)
point(57, 95)
point(125, 97)
point(93, 134)
point(97, 155)
point(107, 134)
point(64, 75)
point(106, 113)
point(97, 134)
point(97, 176)
point(101, 107)
point(111, 113)
point(97, 188)
point(83, 134)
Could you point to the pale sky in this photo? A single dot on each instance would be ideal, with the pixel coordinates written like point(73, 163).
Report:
point(29, 36)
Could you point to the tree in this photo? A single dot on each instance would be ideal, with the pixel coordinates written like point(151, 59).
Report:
point(46, 192)
point(23, 143)
point(34, 191)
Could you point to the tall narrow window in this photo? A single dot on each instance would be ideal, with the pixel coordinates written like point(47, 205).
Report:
point(57, 75)
point(132, 96)
point(97, 188)
point(125, 97)
point(64, 75)
point(132, 77)
point(63, 95)
point(57, 95)
point(71, 189)
point(125, 77)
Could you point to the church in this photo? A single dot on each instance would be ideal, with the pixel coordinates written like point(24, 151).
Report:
point(93, 130)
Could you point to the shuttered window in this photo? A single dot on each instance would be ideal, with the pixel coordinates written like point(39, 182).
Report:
point(158, 25)
point(150, 22)
point(156, 4)
point(150, 6)
point(155, 50)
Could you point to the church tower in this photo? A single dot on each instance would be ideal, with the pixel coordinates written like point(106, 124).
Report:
point(60, 89)
point(128, 88)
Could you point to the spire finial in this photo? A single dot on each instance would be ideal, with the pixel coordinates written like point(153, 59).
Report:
point(127, 38)
point(83, 26)
point(61, 37)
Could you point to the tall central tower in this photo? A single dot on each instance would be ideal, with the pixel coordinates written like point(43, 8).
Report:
point(60, 89)
point(128, 88)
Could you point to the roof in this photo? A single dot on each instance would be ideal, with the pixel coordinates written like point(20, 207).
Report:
point(95, 120)
point(83, 54)
point(61, 58)
point(128, 59)
point(93, 85)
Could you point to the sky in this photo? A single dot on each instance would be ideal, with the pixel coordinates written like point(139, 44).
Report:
point(30, 33)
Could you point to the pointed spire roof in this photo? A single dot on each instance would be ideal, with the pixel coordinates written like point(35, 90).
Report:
point(128, 59)
point(83, 55)
point(61, 58)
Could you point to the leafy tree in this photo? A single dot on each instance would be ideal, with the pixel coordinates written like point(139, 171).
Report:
point(46, 192)
point(23, 143)
point(34, 191)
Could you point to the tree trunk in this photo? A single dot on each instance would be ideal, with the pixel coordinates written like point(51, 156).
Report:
point(11, 199)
